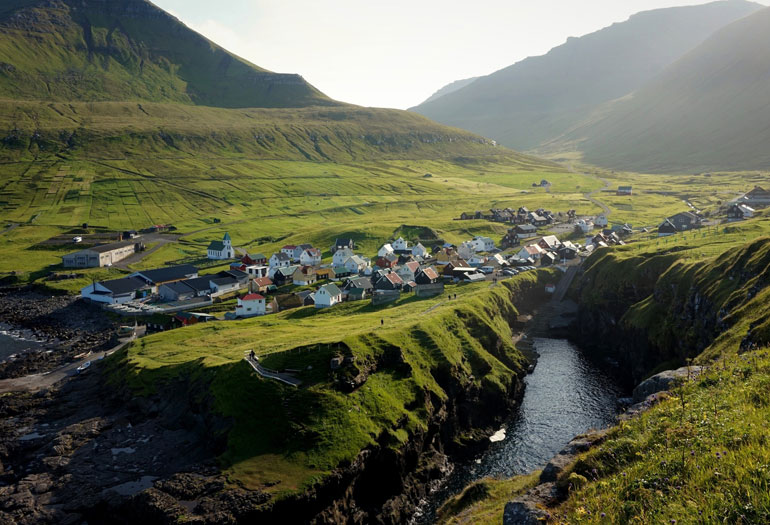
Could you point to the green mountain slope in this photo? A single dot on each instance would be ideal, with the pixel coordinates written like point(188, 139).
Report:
point(539, 98)
point(708, 111)
point(67, 50)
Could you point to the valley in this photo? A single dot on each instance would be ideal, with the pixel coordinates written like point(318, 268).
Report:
point(226, 297)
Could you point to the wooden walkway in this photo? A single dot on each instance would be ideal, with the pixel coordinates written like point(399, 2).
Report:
point(271, 374)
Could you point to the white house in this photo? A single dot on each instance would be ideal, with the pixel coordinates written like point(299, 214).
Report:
point(496, 260)
point(327, 296)
point(533, 250)
point(418, 250)
point(299, 249)
point(477, 260)
point(400, 244)
point(223, 249)
point(466, 250)
point(601, 221)
point(386, 249)
point(483, 244)
point(116, 291)
point(408, 271)
point(342, 255)
point(310, 257)
point(223, 285)
point(585, 226)
point(256, 271)
point(250, 305)
point(289, 250)
point(280, 260)
point(355, 264)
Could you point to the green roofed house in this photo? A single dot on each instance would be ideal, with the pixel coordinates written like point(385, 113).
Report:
point(219, 250)
point(327, 296)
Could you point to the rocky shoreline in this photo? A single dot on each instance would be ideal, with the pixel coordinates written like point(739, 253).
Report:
point(61, 327)
point(87, 452)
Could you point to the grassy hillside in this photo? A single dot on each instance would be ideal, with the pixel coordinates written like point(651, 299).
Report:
point(540, 98)
point(109, 130)
point(283, 439)
point(707, 111)
point(129, 50)
point(699, 455)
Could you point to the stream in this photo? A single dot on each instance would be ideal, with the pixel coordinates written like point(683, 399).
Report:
point(565, 396)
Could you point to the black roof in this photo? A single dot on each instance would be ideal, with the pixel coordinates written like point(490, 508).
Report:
point(281, 256)
point(125, 285)
point(102, 248)
point(359, 282)
point(527, 227)
point(171, 273)
point(237, 274)
point(200, 284)
point(224, 280)
point(343, 242)
point(180, 287)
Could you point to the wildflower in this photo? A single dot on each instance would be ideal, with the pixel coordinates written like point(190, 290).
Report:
point(603, 515)
point(692, 452)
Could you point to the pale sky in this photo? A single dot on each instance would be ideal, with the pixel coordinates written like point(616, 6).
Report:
point(396, 53)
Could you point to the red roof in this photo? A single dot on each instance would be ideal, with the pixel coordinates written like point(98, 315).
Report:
point(252, 297)
point(430, 273)
point(394, 278)
point(263, 281)
point(413, 265)
point(288, 247)
point(313, 251)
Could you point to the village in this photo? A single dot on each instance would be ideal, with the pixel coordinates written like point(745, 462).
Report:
point(300, 275)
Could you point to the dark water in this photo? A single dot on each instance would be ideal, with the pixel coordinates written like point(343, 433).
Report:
point(12, 345)
point(566, 395)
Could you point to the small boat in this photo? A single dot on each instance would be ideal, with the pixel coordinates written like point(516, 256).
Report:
point(85, 366)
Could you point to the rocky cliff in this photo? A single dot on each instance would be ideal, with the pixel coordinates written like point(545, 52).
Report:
point(151, 448)
point(656, 311)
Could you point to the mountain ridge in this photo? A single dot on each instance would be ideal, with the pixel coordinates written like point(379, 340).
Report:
point(707, 111)
point(98, 50)
point(537, 99)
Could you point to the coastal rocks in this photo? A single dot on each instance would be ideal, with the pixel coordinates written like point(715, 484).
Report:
point(559, 463)
point(528, 509)
point(664, 381)
point(61, 326)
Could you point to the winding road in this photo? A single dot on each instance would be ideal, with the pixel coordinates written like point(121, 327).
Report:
point(590, 195)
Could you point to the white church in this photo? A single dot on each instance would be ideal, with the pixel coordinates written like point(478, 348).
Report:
point(223, 249)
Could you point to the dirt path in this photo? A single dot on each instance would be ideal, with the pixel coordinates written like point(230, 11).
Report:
point(37, 382)
point(590, 195)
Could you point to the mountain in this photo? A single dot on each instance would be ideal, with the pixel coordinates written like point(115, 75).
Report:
point(538, 99)
point(450, 88)
point(118, 50)
point(124, 79)
point(708, 111)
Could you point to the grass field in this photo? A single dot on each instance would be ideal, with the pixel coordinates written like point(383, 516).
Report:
point(285, 438)
point(267, 203)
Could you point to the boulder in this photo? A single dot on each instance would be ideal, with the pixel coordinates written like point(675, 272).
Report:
point(561, 461)
point(664, 381)
point(528, 509)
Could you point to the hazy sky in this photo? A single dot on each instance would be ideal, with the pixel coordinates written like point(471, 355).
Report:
point(396, 53)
